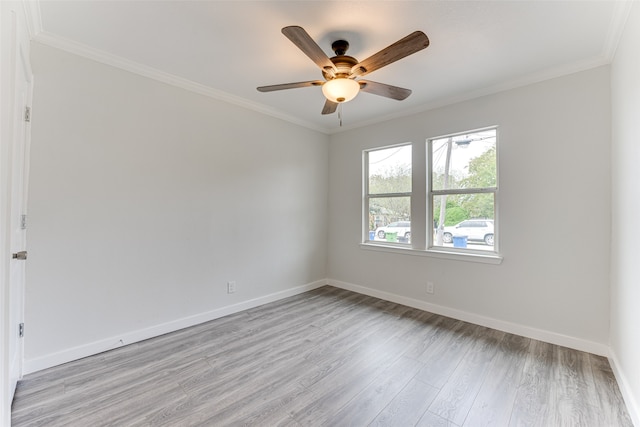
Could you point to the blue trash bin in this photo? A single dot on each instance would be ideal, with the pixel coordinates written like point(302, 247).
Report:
point(460, 241)
point(372, 235)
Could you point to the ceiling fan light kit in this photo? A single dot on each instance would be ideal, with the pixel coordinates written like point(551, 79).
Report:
point(340, 72)
point(340, 89)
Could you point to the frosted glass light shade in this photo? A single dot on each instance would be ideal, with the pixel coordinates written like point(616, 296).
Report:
point(340, 89)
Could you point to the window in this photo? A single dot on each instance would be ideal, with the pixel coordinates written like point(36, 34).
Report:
point(453, 198)
point(462, 190)
point(387, 195)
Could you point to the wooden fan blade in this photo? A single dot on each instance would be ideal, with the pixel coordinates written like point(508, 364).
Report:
point(388, 91)
point(412, 43)
point(305, 43)
point(290, 85)
point(330, 107)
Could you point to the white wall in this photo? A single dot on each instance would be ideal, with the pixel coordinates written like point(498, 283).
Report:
point(554, 208)
point(625, 277)
point(146, 199)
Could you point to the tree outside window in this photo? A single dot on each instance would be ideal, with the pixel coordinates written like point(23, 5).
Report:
point(462, 189)
point(388, 194)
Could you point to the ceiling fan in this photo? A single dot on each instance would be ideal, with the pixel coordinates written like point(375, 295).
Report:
point(340, 72)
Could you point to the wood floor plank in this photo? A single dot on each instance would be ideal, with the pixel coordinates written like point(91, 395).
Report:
point(274, 410)
point(457, 396)
point(531, 406)
point(408, 406)
point(231, 377)
point(239, 402)
point(432, 330)
point(111, 396)
point(429, 419)
point(337, 388)
point(445, 351)
point(367, 404)
point(366, 337)
point(327, 357)
point(494, 402)
point(220, 385)
point(415, 324)
point(573, 399)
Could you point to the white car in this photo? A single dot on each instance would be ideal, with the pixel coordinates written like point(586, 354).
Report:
point(480, 230)
point(402, 228)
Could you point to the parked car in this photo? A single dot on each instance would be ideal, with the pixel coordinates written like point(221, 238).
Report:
point(480, 230)
point(402, 228)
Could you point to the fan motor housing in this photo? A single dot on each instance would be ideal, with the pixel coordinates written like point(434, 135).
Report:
point(344, 64)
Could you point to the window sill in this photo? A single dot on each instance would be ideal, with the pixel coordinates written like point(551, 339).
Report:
point(482, 258)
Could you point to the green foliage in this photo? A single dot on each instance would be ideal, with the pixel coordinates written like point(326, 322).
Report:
point(397, 179)
point(454, 213)
point(394, 180)
point(438, 181)
point(383, 210)
point(482, 171)
point(482, 174)
point(478, 205)
point(388, 209)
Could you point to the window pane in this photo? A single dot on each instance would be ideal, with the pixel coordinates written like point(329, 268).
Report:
point(390, 170)
point(464, 220)
point(390, 219)
point(464, 161)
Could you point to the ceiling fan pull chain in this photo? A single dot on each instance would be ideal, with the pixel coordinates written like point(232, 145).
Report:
point(340, 113)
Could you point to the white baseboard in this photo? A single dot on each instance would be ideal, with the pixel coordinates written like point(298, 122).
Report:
point(89, 349)
point(633, 405)
point(513, 328)
point(68, 355)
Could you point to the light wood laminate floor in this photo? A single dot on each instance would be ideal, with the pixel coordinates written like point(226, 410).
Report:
point(328, 357)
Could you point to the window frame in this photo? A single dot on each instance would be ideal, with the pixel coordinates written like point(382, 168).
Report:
point(422, 209)
point(367, 196)
point(432, 194)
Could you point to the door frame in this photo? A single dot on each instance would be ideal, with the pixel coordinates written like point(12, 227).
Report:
point(14, 46)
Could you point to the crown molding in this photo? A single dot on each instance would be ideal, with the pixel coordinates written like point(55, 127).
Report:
point(621, 12)
point(106, 58)
point(522, 81)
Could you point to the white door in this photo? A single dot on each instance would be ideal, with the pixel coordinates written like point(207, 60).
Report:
point(18, 244)
point(17, 86)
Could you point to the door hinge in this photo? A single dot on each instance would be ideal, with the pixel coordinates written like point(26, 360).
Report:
point(21, 330)
point(23, 222)
point(27, 114)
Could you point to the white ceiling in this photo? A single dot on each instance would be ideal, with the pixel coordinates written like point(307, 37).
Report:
point(226, 49)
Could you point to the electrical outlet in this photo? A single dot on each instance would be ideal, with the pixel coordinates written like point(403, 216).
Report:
point(231, 287)
point(430, 287)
